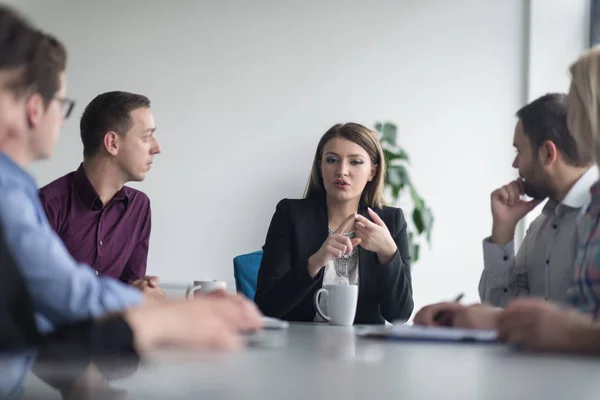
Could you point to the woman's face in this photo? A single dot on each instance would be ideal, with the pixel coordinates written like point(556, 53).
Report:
point(346, 169)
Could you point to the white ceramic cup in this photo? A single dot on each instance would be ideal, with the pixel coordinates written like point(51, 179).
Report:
point(341, 303)
point(205, 287)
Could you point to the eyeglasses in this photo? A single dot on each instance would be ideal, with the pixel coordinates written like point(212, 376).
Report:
point(66, 106)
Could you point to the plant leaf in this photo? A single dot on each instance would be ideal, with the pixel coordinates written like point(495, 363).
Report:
point(412, 247)
point(427, 218)
point(396, 192)
point(389, 133)
point(417, 217)
point(394, 154)
point(418, 201)
point(397, 176)
point(414, 254)
point(397, 180)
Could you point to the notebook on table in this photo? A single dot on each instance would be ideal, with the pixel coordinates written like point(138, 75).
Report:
point(428, 334)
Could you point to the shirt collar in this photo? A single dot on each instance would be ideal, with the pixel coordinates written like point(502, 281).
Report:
point(12, 172)
point(579, 195)
point(88, 194)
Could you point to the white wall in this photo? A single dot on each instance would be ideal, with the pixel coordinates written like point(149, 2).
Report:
point(558, 33)
point(242, 91)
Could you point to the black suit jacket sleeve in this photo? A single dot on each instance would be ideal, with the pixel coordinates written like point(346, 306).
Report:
point(281, 282)
point(394, 278)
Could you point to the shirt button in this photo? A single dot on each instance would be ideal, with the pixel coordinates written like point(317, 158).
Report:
point(96, 272)
point(548, 261)
point(505, 258)
point(101, 243)
point(554, 226)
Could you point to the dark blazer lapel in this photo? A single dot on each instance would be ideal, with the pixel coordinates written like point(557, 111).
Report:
point(314, 228)
point(363, 255)
point(322, 227)
point(321, 224)
point(363, 260)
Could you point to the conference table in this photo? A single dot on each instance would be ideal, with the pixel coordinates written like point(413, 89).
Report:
point(319, 361)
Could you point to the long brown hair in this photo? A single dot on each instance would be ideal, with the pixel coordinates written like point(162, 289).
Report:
point(372, 195)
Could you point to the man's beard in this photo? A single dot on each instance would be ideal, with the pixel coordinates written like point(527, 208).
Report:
point(538, 192)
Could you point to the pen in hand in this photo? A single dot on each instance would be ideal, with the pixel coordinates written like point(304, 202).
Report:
point(442, 315)
point(459, 297)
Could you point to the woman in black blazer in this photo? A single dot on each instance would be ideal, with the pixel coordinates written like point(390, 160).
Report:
point(340, 233)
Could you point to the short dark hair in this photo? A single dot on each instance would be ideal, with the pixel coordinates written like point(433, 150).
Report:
point(38, 58)
point(17, 39)
point(546, 119)
point(109, 111)
point(42, 74)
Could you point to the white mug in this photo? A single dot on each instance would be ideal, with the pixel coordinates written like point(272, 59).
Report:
point(341, 303)
point(205, 287)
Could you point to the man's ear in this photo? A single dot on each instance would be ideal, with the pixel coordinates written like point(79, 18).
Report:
point(111, 143)
point(34, 110)
point(548, 153)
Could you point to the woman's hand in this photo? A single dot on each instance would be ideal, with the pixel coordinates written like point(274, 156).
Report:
point(375, 237)
point(333, 248)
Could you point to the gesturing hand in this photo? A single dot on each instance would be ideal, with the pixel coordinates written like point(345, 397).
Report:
point(375, 237)
point(334, 247)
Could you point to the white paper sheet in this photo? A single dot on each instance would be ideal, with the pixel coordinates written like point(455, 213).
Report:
point(425, 333)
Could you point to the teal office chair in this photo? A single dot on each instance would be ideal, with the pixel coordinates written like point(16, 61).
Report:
point(245, 272)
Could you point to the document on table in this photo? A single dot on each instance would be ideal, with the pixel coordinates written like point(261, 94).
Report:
point(427, 333)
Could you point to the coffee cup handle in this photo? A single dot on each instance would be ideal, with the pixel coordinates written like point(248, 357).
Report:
point(319, 311)
point(191, 289)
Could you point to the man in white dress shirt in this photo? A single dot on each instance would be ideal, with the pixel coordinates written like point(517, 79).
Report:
point(550, 167)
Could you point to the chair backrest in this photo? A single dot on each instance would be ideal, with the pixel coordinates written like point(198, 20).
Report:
point(245, 272)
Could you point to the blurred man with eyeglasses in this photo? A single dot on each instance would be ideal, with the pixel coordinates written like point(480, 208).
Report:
point(33, 107)
point(102, 222)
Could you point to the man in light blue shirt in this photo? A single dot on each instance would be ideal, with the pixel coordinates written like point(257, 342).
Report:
point(62, 290)
point(32, 108)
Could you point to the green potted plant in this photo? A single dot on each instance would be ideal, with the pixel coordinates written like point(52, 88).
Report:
point(398, 184)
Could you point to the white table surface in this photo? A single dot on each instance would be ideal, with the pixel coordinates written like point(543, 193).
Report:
point(316, 361)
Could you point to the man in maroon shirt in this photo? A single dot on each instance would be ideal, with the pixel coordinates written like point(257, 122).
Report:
point(102, 222)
